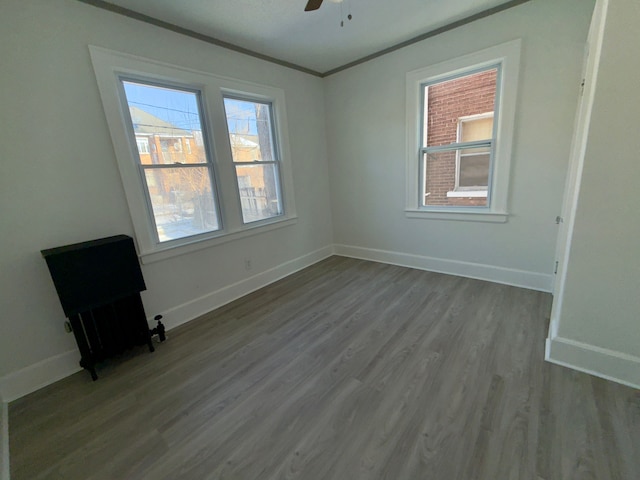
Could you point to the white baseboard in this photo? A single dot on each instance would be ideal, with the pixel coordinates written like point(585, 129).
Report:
point(601, 362)
point(491, 273)
point(50, 370)
point(4, 441)
point(39, 375)
point(188, 311)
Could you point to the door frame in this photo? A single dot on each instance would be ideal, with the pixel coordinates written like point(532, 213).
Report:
point(566, 220)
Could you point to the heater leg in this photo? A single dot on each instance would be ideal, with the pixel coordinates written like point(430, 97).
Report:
point(159, 330)
point(91, 368)
point(86, 360)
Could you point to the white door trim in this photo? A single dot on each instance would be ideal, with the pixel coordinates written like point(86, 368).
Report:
point(593, 51)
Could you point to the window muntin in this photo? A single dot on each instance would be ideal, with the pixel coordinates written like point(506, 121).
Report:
point(179, 184)
point(458, 137)
point(255, 157)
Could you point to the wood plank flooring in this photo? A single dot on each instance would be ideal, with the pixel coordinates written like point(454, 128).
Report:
point(346, 370)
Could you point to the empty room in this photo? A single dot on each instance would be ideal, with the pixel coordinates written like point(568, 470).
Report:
point(306, 239)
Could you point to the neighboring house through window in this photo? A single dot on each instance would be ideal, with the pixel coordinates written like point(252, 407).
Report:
point(458, 138)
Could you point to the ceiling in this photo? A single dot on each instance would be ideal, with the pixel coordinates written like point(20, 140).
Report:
point(313, 40)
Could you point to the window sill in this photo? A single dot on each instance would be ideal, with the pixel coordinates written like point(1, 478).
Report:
point(163, 253)
point(467, 194)
point(465, 215)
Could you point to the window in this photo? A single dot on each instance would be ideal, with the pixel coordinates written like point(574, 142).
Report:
point(143, 145)
point(255, 157)
point(460, 118)
point(457, 138)
point(191, 179)
point(178, 187)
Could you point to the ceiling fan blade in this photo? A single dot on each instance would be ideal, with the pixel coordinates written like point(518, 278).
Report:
point(312, 5)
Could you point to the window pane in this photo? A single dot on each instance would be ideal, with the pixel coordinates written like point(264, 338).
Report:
point(250, 130)
point(475, 129)
point(447, 102)
point(169, 120)
point(259, 191)
point(439, 182)
point(182, 201)
point(474, 170)
point(440, 169)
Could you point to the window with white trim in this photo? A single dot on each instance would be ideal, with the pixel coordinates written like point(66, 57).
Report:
point(255, 157)
point(179, 188)
point(457, 138)
point(460, 117)
point(191, 178)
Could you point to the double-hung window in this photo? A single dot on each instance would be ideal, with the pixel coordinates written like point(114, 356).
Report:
point(179, 188)
point(457, 138)
point(460, 118)
point(203, 159)
point(255, 157)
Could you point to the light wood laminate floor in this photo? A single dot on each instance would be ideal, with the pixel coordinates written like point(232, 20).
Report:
point(346, 370)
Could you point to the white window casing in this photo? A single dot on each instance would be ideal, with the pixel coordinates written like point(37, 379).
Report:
point(507, 57)
point(110, 67)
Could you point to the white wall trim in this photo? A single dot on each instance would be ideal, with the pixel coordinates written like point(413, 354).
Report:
point(509, 276)
point(579, 141)
point(601, 362)
point(4, 441)
point(34, 377)
point(188, 311)
point(22, 382)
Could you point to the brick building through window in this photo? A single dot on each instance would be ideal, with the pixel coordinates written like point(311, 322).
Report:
point(459, 111)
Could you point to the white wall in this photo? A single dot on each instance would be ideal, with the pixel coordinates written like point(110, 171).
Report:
point(599, 323)
point(59, 181)
point(4, 440)
point(366, 142)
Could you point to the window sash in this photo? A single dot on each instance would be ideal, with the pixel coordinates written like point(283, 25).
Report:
point(272, 124)
point(424, 87)
point(274, 153)
point(258, 162)
point(457, 146)
point(150, 206)
point(142, 167)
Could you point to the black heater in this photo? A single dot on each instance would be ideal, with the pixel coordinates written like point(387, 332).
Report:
point(99, 284)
